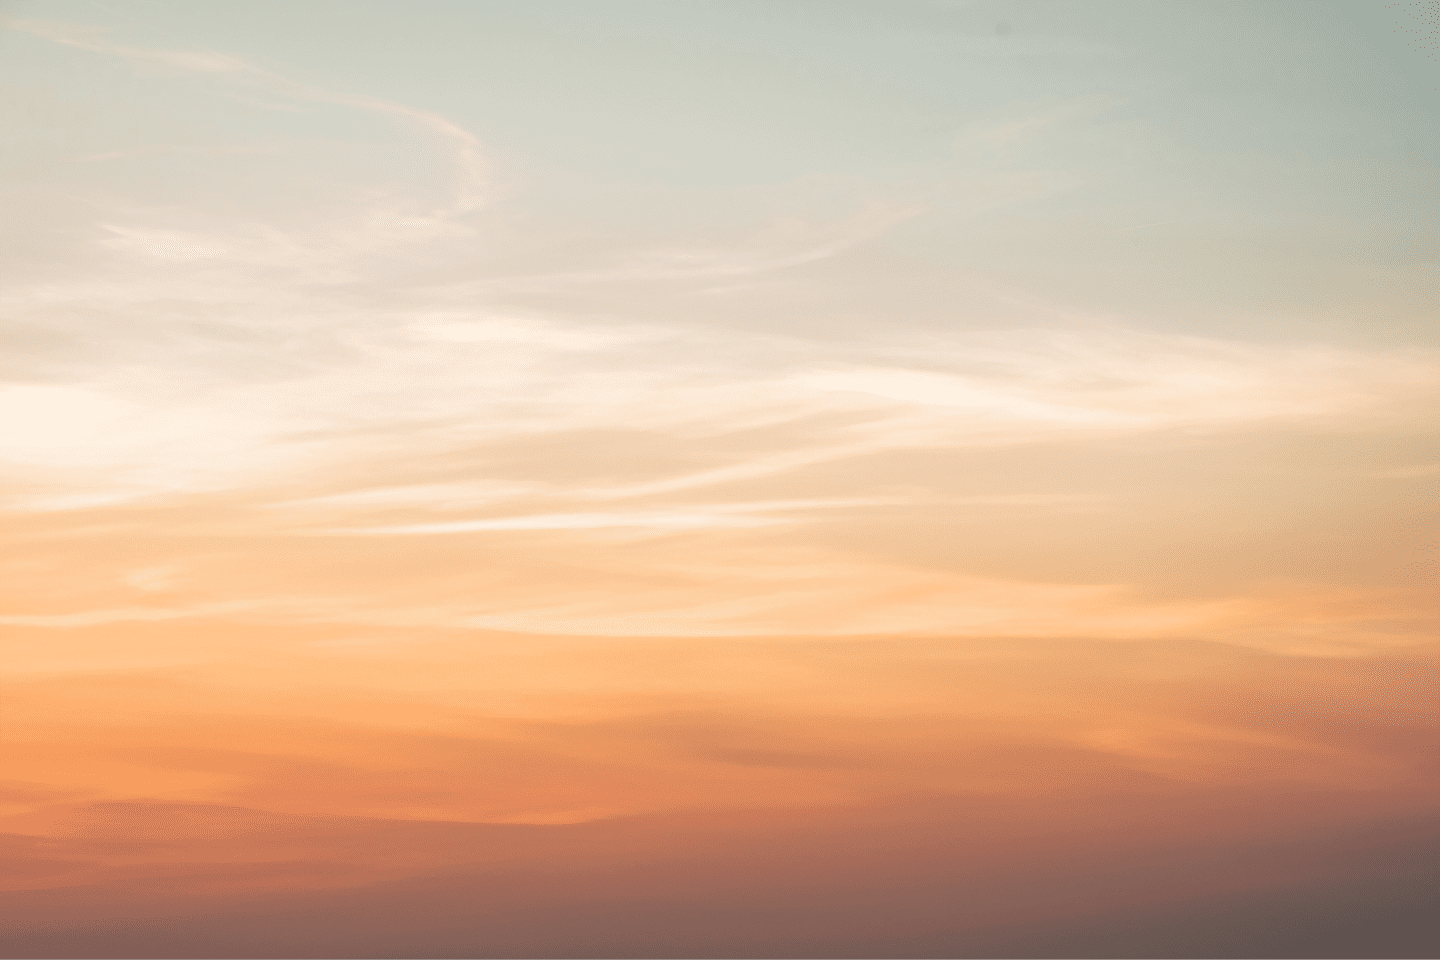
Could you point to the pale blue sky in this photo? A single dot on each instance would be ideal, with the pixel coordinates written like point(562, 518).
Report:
point(479, 257)
point(1253, 170)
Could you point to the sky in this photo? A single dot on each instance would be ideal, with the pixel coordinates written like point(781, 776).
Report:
point(719, 478)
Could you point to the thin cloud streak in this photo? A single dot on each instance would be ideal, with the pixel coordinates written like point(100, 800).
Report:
point(728, 515)
point(474, 190)
point(571, 521)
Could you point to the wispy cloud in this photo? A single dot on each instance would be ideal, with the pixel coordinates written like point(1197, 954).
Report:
point(93, 618)
point(1112, 380)
point(270, 357)
point(474, 187)
point(738, 515)
point(404, 393)
point(765, 482)
point(787, 245)
point(1016, 130)
point(571, 521)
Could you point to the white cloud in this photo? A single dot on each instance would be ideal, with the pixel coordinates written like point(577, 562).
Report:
point(736, 515)
point(443, 496)
point(571, 521)
point(474, 186)
point(152, 579)
point(162, 245)
point(93, 618)
point(939, 390)
point(1050, 382)
point(460, 327)
point(217, 355)
point(785, 244)
point(408, 397)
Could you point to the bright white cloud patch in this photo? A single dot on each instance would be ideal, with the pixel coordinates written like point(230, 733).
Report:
point(1112, 380)
point(376, 345)
point(206, 350)
point(462, 382)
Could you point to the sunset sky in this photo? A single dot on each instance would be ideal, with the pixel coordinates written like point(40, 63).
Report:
point(719, 478)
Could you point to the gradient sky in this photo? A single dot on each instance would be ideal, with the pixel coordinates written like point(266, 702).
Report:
point(628, 478)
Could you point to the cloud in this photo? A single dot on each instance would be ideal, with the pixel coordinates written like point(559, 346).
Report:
point(1119, 381)
point(70, 36)
point(440, 496)
point(206, 354)
point(162, 245)
point(162, 148)
point(398, 575)
point(571, 521)
point(1016, 130)
point(464, 327)
point(1011, 388)
point(474, 183)
point(92, 618)
point(778, 248)
point(737, 515)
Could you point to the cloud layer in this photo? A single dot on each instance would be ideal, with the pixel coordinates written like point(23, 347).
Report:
point(424, 541)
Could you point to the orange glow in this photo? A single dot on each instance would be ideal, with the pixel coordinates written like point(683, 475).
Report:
point(877, 478)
